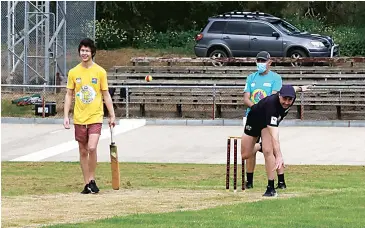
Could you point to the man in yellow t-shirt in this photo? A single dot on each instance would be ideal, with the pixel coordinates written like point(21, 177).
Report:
point(87, 82)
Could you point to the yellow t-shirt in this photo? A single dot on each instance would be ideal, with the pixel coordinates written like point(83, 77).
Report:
point(88, 84)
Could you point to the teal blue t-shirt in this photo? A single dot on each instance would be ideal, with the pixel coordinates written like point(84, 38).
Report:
point(260, 86)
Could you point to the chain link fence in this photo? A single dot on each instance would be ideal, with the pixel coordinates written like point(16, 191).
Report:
point(39, 39)
point(187, 102)
point(81, 16)
point(4, 59)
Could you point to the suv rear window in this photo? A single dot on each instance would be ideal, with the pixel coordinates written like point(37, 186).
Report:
point(237, 28)
point(261, 29)
point(217, 27)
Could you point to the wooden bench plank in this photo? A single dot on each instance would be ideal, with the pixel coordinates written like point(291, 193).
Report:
point(219, 98)
point(236, 82)
point(204, 102)
point(180, 97)
point(334, 60)
point(239, 99)
point(227, 76)
point(229, 90)
point(234, 69)
point(209, 93)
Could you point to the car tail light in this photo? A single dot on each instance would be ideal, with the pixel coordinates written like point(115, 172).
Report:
point(199, 37)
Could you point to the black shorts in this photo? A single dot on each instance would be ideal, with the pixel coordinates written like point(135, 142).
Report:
point(254, 125)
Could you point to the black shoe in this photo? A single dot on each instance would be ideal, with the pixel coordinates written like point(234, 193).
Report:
point(249, 185)
point(281, 185)
point(86, 190)
point(270, 192)
point(93, 187)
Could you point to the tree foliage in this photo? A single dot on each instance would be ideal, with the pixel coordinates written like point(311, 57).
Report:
point(171, 15)
point(169, 24)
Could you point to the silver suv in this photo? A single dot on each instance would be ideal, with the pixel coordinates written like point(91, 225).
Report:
point(244, 34)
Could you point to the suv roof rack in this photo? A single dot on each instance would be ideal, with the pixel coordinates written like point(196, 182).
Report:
point(238, 14)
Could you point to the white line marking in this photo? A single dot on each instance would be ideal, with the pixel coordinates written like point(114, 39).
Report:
point(123, 126)
point(56, 131)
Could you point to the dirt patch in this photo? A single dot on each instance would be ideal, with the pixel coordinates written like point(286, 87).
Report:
point(32, 211)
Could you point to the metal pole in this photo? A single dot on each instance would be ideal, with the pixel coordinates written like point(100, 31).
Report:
point(43, 100)
point(46, 42)
point(94, 35)
point(55, 56)
point(126, 102)
point(42, 35)
point(13, 33)
point(36, 44)
point(9, 39)
point(301, 106)
point(94, 20)
point(214, 94)
point(54, 48)
point(26, 43)
point(64, 41)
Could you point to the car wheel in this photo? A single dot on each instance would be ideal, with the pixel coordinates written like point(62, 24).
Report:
point(296, 54)
point(218, 54)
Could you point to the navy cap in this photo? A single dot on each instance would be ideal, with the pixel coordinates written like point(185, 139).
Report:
point(287, 91)
point(264, 55)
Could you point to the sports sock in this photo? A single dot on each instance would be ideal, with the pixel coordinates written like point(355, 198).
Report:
point(270, 183)
point(249, 178)
point(281, 177)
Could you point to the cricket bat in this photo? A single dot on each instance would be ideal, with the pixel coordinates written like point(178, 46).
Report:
point(114, 162)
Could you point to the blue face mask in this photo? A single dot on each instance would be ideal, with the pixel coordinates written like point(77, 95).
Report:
point(261, 67)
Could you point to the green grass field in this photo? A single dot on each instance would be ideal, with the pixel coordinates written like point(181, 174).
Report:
point(12, 110)
point(342, 209)
point(317, 196)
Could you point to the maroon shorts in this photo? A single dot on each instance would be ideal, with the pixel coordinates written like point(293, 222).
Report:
point(82, 132)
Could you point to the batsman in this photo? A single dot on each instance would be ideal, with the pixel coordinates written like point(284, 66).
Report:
point(87, 84)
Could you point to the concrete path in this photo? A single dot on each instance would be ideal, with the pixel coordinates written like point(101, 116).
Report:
point(182, 144)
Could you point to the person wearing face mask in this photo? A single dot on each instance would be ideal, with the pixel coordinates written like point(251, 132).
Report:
point(263, 121)
point(259, 85)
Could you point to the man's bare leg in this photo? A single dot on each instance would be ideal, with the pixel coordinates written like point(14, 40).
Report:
point(84, 161)
point(247, 146)
point(268, 151)
point(251, 164)
point(92, 147)
point(280, 172)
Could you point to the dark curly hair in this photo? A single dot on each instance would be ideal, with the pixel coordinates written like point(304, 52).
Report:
point(88, 43)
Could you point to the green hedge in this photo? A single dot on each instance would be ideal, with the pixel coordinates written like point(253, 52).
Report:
point(148, 38)
point(350, 39)
point(110, 35)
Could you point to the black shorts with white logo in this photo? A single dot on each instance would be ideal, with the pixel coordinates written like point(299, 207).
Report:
point(254, 125)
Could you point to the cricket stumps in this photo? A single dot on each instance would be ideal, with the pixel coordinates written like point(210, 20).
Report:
point(228, 166)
